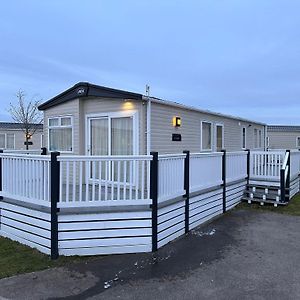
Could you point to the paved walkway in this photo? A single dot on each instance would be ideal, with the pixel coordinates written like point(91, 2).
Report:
point(241, 255)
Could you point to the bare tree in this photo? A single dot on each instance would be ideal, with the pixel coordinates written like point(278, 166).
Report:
point(27, 114)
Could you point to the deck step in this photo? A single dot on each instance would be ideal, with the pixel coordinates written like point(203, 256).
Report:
point(261, 195)
point(270, 187)
point(262, 202)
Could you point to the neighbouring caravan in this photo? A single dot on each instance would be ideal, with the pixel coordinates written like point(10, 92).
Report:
point(96, 120)
point(283, 137)
point(12, 137)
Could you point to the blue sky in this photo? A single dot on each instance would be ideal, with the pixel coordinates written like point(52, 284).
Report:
point(236, 57)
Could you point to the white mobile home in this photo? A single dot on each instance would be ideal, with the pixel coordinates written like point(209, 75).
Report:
point(95, 120)
point(283, 137)
point(12, 137)
point(105, 196)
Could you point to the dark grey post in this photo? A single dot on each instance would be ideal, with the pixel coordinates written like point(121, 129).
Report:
point(1, 151)
point(44, 151)
point(224, 179)
point(154, 196)
point(282, 186)
point(248, 165)
point(288, 181)
point(54, 185)
point(187, 189)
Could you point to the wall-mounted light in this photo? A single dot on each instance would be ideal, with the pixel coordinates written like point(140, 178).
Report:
point(176, 121)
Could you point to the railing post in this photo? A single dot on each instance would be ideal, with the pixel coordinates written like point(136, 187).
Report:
point(282, 186)
point(44, 151)
point(224, 179)
point(1, 174)
point(288, 181)
point(154, 196)
point(54, 185)
point(248, 165)
point(187, 189)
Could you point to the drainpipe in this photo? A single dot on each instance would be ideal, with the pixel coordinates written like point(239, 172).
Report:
point(148, 129)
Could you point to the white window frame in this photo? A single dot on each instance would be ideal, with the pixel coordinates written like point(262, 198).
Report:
point(245, 137)
point(297, 144)
point(14, 135)
point(112, 115)
point(61, 126)
point(216, 136)
point(5, 141)
point(211, 136)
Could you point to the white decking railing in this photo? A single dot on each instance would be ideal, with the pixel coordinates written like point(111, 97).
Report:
point(170, 176)
point(266, 165)
point(236, 166)
point(26, 178)
point(205, 170)
point(295, 163)
point(104, 180)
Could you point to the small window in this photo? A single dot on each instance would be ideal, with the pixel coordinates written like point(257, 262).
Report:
point(10, 141)
point(66, 121)
point(60, 134)
point(259, 138)
point(2, 141)
point(255, 138)
point(219, 137)
point(206, 136)
point(244, 138)
point(298, 142)
point(54, 122)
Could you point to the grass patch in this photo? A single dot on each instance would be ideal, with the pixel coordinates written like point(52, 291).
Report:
point(16, 258)
point(293, 208)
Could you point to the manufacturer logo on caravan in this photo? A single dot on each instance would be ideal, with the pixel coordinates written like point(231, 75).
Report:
point(80, 91)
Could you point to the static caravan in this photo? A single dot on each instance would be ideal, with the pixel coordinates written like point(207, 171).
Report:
point(283, 137)
point(12, 137)
point(89, 119)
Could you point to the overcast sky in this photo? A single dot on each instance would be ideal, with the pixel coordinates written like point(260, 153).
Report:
point(239, 57)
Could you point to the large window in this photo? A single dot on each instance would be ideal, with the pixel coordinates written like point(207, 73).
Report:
point(206, 136)
point(7, 141)
point(60, 134)
point(219, 137)
point(244, 138)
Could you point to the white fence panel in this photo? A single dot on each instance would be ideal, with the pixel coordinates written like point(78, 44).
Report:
point(170, 176)
point(295, 164)
point(236, 165)
point(104, 180)
point(26, 178)
point(266, 164)
point(205, 170)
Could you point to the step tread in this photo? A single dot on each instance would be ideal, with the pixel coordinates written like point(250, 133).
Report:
point(263, 201)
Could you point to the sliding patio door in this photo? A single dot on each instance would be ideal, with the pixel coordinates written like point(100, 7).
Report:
point(111, 136)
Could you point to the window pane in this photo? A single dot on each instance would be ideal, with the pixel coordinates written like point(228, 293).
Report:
point(60, 139)
point(121, 136)
point(2, 140)
point(219, 138)
point(10, 141)
point(66, 121)
point(255, 139)
point(53, 122)
point(99, 137)
point(298, 141)
point(206, 136)
point(259, 138)
point(244, 138)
